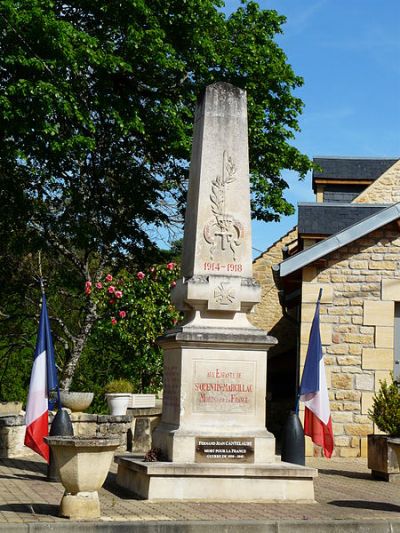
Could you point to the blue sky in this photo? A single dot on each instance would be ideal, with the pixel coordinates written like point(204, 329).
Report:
point(348, 52)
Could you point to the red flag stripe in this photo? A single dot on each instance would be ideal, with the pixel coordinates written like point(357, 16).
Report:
point(320, 433)
point(34, 436)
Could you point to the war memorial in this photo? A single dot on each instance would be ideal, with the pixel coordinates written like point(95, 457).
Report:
point(212, 437)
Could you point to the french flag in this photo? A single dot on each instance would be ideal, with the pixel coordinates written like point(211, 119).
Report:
point(314, 392)
point(43, 380)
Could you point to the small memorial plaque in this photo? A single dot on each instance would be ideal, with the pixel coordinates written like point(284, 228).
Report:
point(224, 450)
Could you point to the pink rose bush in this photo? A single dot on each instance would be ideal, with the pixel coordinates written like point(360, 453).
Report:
point(128, 295)
point(135, 308)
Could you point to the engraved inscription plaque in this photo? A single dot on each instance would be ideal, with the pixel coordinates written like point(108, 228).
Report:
point(224, 450)
point(224, 386)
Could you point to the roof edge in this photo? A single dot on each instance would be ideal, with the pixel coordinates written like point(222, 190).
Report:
point(338, 240)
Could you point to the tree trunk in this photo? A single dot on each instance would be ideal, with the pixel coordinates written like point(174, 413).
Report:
point(80, 341)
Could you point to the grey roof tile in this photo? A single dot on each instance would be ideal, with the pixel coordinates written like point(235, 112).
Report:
point(328, 218)
point(351, 168)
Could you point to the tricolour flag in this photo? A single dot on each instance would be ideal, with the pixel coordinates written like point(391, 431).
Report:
point(43, 380)
point(314, 392)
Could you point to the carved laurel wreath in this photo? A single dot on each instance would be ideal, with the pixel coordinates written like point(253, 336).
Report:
point(218, 187)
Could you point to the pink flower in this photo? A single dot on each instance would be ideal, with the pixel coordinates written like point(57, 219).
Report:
point(122, 314)
point(118, 294)
point(99, 285)
point(111, 301)
point(109, 277)
point(111, 289)
point(140, 275)
point(152, 269)
point(173, 284)
point(88, 284)
point(88, 290)
point(114, 321)
point(170, 266)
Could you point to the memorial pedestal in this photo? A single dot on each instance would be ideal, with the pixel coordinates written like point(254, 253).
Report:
point(213, 425)
point(262, 482)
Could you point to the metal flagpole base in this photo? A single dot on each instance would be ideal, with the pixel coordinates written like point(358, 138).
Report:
point(293, 447)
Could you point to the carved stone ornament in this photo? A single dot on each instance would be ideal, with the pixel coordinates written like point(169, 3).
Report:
point(223, 232)
point(223, 294)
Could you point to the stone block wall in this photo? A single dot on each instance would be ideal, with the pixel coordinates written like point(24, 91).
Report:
point(360, 286)
point(12, 431)
point(268, 312)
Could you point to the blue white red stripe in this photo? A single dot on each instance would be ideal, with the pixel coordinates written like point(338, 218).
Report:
point(43, 380)
point(314, 391)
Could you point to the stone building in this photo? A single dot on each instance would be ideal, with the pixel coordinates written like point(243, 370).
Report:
point(348, 244)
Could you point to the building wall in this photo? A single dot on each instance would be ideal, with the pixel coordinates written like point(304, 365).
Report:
point(385, 190)
point(360, 287)
point(268, 312)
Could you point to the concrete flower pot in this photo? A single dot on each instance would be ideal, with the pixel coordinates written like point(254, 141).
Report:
point(141, 401)
point(76, 401)
point(382, 459)
point(82, 464)
point(118, 402)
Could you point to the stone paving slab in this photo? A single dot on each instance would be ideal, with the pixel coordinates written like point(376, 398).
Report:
point(347, 498)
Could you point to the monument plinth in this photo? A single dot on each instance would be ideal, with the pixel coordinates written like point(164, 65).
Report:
point(212, 430)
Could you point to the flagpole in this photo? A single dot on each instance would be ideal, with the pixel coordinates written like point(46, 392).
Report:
point(314, 391)
point(298, 386)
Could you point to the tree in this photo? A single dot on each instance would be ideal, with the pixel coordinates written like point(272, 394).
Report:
point(135, 310)
point(96, 110)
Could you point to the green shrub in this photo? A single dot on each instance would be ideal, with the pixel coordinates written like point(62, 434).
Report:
point(119, 385)
point(385, 412)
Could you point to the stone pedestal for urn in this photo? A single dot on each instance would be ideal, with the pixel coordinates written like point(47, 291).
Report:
point(212, 429)
point(82, 465)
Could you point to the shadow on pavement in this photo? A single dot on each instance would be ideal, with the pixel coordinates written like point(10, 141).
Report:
point(345, 473)
point(365, 504)
point(24, 464)
point(25, 476)
point(31, 508)
point(110, 485)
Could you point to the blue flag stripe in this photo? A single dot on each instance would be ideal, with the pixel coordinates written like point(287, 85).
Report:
point(44, 343)
point(310, 378)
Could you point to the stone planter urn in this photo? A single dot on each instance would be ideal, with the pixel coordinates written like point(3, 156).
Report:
point(76, 401)
point(382, 459)
point(118, 403)
point(82, 464)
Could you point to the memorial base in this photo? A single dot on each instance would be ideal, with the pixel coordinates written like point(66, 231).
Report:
point(276, 482)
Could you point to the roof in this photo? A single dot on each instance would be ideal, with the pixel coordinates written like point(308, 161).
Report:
point(346, 236)
point(329, 218)
point(350, 169)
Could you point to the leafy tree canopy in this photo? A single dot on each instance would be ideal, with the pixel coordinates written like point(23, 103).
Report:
point(96, 107)
point(96, 116)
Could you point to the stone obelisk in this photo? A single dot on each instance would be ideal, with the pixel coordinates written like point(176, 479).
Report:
point(221, 359)
point(215, 362)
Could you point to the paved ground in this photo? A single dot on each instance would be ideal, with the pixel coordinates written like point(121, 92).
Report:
point(344, 491)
